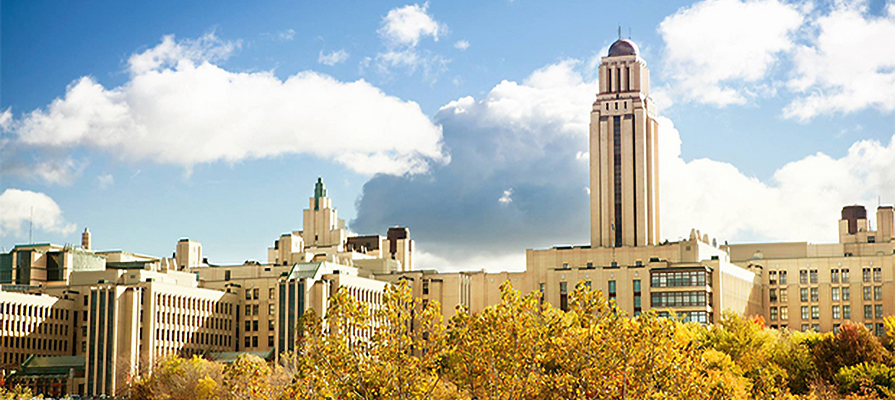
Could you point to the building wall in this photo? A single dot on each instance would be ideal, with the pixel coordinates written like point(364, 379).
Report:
point(33, 325)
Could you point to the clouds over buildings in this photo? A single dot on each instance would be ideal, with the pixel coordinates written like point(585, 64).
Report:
point(180, 107)
point(519, 172)
point(726, 52)
point(20, 208)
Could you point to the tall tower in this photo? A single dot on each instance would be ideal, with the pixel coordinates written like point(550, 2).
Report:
point(322, 225)
point(624, 178)
point(85, 239)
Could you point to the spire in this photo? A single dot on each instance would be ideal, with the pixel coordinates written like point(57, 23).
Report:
point(619, 31)
point(319, 191)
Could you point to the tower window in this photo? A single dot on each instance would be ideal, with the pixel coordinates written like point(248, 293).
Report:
point(617, 165)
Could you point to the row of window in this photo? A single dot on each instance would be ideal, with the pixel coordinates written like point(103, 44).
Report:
point(678, 278)
point(28, 343)
point(701, 317)
point(252, 341)
point(38, 328)
point(30, 310)
point(837, 312)
point(836, 276)
point(253, 293)
point(203, 338)
point(252, 326)
point(183, 302)
point(678, 299)
point(836, 294)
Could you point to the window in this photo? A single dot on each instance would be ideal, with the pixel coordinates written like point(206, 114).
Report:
point(255, 309)
point(804, 327)
point(845, 278)
point(543, 290)
point(565, 265)
point(248, 341)
point(803, 276)
point(426, 285)
point(255, 325)
point(254, 341)
point(815, 312)
point(270, 341)
point(564, 296)
point(772, 278)
point(866, 274)
point(814, 294)
point(803, 294)
point(255, 293)
point(836, 312)
point(877, 293)
point(248, 294)
point(878, 311)
point(784, 313)
point(773, 314)
point(270, 325)
point(782, 277)
point(804, 312)
point(270, 293)
point(846, 312)
point(248, 326)
point(867, 292)
point(612, 292)
point(772, 295)
point(846, 294)
point(784, 294)
point(834, 276)
point(880, 329)
point(815, 327)
point(813, 276)
point(270, 309)
point(248, 310)
point(877, 275)
point(834, 294)
point(868, 312)
point(637, 297)
point(590, 265)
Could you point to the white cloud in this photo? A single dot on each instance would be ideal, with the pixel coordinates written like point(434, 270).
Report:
point(848, 66)
point(104, 181)
point(286, 35)
point(333, 57)
point(507, 197)
point(718, 51)
point(18, 208)
point(471, 262)
point(179, 108)
point(461, 45)
point(401, 31)
point(405, 26)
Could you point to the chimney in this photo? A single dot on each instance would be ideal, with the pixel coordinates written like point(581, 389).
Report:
point(85, 239)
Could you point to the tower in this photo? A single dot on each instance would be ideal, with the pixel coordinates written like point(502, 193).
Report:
point(624, 177)
point(85, 239)
point(322, 225)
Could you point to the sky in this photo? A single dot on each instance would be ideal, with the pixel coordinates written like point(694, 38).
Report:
point(465, 121)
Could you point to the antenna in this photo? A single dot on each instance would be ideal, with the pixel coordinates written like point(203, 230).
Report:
point(619, 31)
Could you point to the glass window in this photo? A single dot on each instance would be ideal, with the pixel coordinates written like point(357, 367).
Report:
point(804, 312)
point(772, 295)
point(846, 312)
point(834, 294)
point(878, 311)
point(782, 277)
point(845, 278)
point(803, 294)
point(783, 295)
point(784, 313)
point(248, 294)
point(803, 276)
point(805, 327)
point(836, 312)
point(248, 326)
point(834, 275)
point(255, 325)
point(270, 325)
point(846, 296)
point(254, 341)
point(868, 311)
point(867, 292)
point(772, 277)
point(248, 310)
point(815, 327)
point(270, 293)
point(255, 309)
point(773, 313)
point(248, 341)
point(636, 285)
point(813, 276)
point(255, 293)
point(815, 312)
point(877, 293)
point(866, 274)
point(814, 294)
point(877, 275)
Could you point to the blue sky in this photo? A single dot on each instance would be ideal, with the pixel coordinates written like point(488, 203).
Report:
point(465, 121)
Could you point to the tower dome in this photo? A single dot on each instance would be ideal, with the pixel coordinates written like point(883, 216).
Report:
point(623, 47)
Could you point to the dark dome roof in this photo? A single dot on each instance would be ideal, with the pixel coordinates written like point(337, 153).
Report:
point(623, 47)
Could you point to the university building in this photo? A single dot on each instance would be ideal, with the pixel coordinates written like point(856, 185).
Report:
point(74, 320)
